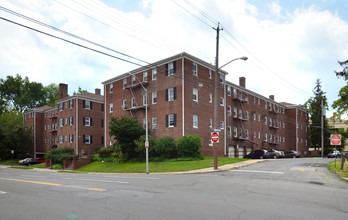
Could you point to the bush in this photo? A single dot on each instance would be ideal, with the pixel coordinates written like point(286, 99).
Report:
point(57, 167)
point(106, 151)
point(141, 150)
point(166, 148)
point(189, 146)
point(58, 155)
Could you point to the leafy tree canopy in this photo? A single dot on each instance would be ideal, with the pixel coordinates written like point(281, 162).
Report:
point(79, 91)
point(341, 104)
point(19, 94)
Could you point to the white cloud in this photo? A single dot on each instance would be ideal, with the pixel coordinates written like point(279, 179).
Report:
point(286, 56)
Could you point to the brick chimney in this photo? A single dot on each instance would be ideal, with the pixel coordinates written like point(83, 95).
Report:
point(271, 97)
point(63, 91)
point(97, 91)
point(242, 81)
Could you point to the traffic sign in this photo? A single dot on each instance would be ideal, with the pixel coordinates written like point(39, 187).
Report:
point(335, 139)
point(146, 144)
point(215, 137)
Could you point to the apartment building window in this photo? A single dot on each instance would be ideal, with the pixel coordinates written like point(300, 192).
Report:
point(102, 107)
point(133, 102)
point(87, 139)
point(235, 92)
point(66, 121)
point(87, 104)
point(254, 116)
point(154, 122)
point(71, 104)
point(154, 98)
point(124, 103)
point(222, 125)
point(61, 139)
point(222, 101)
point(124, 83)
point(270, 138)
point(235, 112)
point(144, 100)
point(171, 120)
point(210, 74)
point(246, 98)
point(133, 79)
point(111, 88)
point(195, 69)
point(144, 76)
point(221, 78)
point(210, 122)
point(246, 115)
point(270, 121)
point(111, 105)
point(265, 120)
point(61, 106)
point(71, 120)
point(265, 136)
point(45, 127)
point(195, 121)
point(61, 122)
point(210, 98)
point(71, 138)
point(283, 139)
point(235, 132)
point(254, 134)
point(241, 113)
point(246, 134)
point(154, 74)
point(171, 94)
point(170, 68)
point(102, 123)
point(229, 92)
point(266, 105)
point(240, 132)
point(229, 131)
point(229, 110)
point(195, 95)
point(87, 121)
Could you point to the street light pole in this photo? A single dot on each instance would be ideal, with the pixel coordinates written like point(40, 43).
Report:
point(146, 125)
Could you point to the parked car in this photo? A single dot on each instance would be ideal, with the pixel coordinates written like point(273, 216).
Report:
point(40, 159)
point(22, 161)
point(275, 153)
point(292, 154)
point(258, 154)
point(30, 161)
point(334, 154)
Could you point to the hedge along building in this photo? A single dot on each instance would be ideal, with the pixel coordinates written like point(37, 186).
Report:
point(75, 121)
point(180, 93)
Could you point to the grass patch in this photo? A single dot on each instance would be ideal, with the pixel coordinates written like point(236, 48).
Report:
point(344, 172)
point(22, 168)
point(8, 162)
point(39, 165)
point(165, 166)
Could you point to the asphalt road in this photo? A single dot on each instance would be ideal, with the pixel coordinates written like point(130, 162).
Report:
point(274, 189)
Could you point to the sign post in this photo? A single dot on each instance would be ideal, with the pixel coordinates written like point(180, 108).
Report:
point(12, 152)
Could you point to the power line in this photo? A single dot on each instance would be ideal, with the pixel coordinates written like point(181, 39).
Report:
point(33, 29)
point(65, 32)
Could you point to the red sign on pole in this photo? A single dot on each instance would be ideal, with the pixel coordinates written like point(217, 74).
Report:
point(335, 139)
point(215, 137)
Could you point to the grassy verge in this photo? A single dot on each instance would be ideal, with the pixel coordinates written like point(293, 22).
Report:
point(8, 162)
point(344, 172)
point(165, 166)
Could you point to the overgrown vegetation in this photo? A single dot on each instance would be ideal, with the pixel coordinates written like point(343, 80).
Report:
point(58, 155)
point(336, 166)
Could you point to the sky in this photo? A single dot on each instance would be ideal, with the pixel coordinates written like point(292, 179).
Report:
point(290, 44)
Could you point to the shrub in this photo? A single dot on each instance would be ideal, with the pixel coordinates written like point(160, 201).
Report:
point(141, 150)
point(57, 167)
point(166, 148)
point(189, 146)
point(106, 151)
point(58, 155)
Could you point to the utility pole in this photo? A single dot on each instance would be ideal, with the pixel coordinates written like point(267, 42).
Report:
point(217, 77)
point(322, 127)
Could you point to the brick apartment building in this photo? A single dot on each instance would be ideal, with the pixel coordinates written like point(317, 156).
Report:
point(180, 92)
point(76, 121)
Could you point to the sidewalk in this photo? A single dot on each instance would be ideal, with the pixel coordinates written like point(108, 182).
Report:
point(226, 167)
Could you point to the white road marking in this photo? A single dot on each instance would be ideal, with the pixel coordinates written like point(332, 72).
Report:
point(2, 192)
point(257, 171)
point(106, 181)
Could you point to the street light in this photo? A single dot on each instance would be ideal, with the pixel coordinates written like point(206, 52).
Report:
point(217, 69)
point(146, 125)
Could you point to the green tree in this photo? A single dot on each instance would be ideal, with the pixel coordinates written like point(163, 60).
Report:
point(20, 94)
point(341, 104)
point(14, 135)
point(314, 106)
point(166, 148)
point(141, 150)
point(125, 131)
point(79, 91)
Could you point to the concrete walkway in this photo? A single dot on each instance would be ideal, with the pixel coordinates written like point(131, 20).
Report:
point(226, 167)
